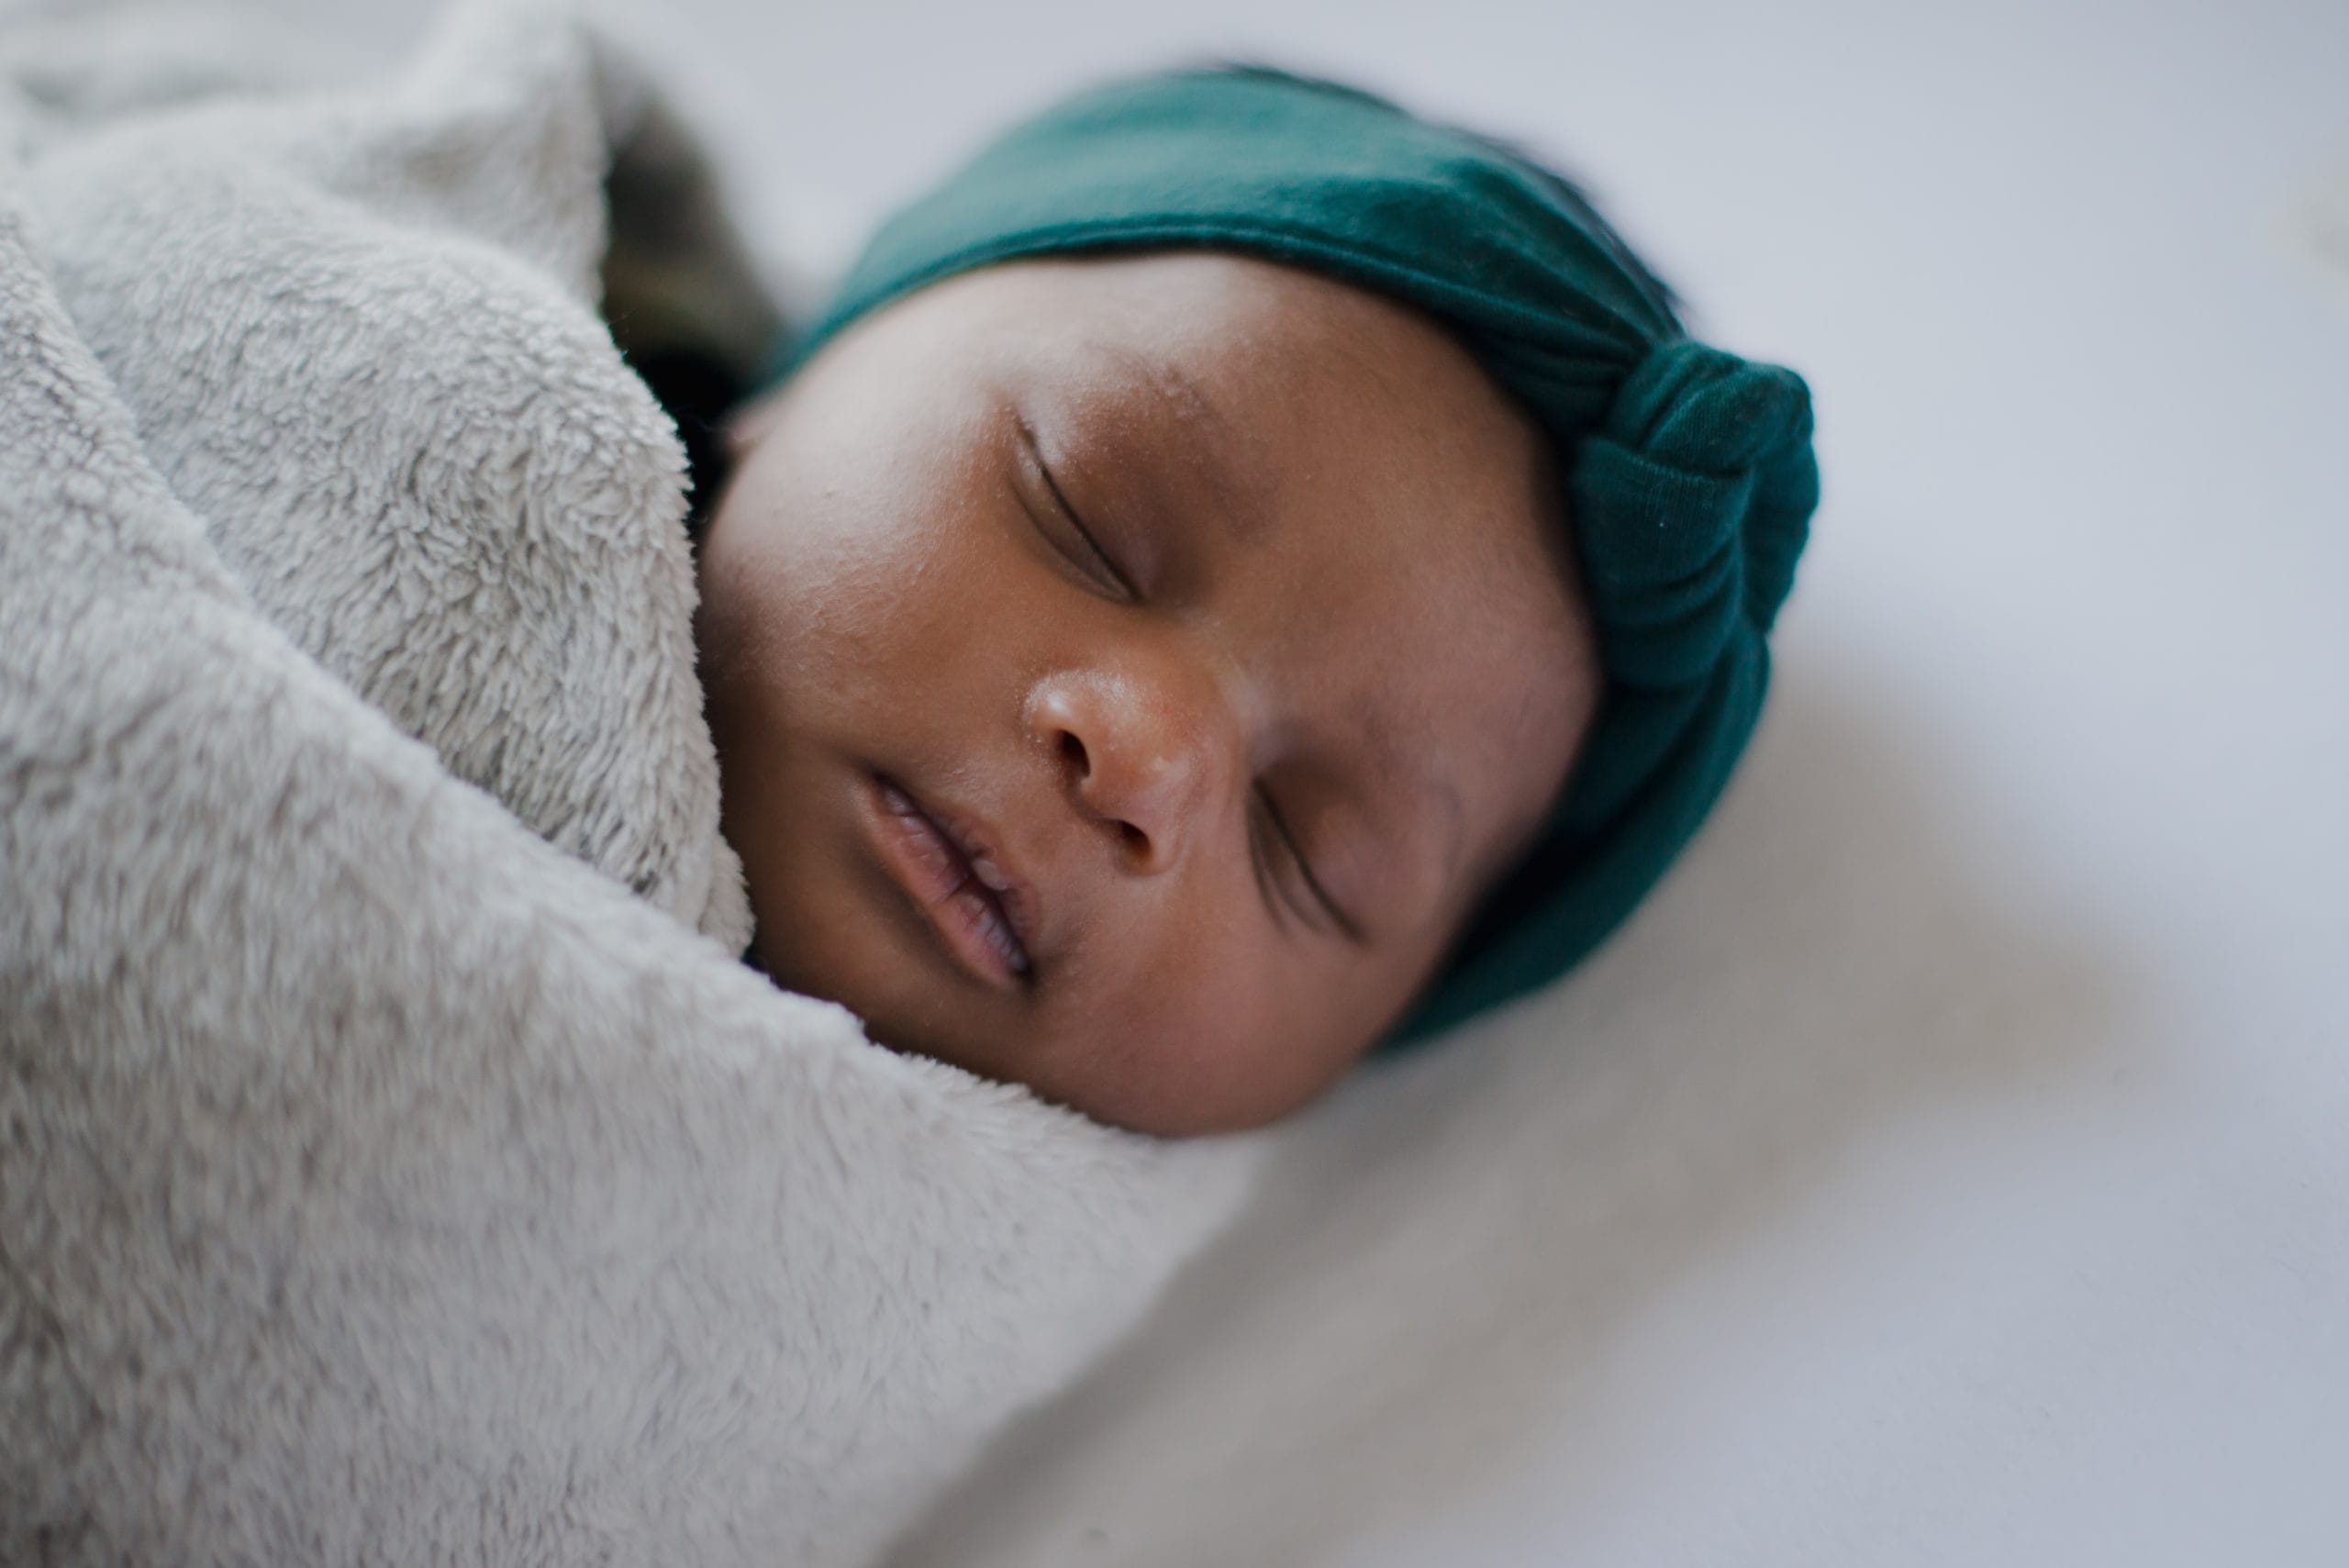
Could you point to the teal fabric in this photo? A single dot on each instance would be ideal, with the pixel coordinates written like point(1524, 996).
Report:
point(1689, 470)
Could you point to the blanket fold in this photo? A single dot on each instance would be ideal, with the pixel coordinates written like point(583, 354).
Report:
point(394, 1168)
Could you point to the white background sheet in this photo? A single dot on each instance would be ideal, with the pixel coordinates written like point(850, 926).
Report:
point(1951, 1165)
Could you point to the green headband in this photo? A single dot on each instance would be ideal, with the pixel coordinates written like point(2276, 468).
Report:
point(1690, 479)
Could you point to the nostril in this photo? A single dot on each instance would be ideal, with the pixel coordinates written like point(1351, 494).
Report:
point(1078, 762)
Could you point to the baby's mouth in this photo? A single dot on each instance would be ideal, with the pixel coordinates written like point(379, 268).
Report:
point(958, 885)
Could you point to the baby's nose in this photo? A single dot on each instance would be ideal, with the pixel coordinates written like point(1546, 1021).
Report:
point(1148, 753)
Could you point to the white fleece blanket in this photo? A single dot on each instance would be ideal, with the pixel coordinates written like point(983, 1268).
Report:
point(396, 1164)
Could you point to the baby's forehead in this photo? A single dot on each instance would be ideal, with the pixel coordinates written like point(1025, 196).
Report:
point(1289, 379)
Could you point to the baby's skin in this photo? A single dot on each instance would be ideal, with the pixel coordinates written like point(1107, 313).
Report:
point(1128, 673)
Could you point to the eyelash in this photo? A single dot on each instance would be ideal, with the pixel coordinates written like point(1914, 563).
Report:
point(1117, 580)
point(1326, 905)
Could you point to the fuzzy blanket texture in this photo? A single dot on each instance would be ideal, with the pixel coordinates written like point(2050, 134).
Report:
point(396, 1164)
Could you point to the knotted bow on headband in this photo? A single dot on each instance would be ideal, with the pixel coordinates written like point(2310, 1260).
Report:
point(1690, 472)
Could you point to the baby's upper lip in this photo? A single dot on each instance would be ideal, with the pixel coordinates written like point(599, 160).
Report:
point(990, 862)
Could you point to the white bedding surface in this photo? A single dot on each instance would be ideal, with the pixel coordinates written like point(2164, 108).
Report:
point(1951, 1164)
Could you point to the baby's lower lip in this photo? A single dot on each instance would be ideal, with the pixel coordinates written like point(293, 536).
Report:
point(961, 909)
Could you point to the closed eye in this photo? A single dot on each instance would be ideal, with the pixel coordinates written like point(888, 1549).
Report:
point(1329, 907)
point(1086, 553)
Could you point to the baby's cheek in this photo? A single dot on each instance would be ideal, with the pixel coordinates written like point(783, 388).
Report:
point(1252, 1032)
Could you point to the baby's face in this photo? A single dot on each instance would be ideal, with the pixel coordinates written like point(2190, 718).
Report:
point(1128, 673)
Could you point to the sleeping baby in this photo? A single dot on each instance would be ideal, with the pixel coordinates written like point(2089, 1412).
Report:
point(1241, 573)
point(1239, 576)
